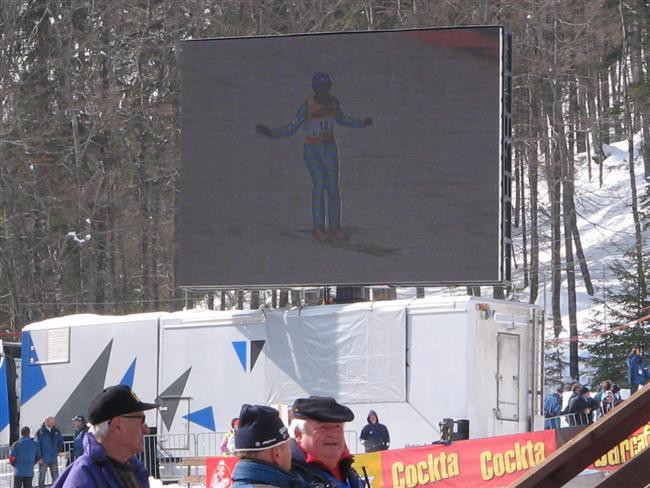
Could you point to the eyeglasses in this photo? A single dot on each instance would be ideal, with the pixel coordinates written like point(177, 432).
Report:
point(141, 417)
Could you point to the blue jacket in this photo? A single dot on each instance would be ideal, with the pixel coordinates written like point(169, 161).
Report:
point(375, 437)
point(636, 368)
point(77, 442)
point(552, 408)
point(49, 442)
point(94, 470)
point(249, 472)
point(26, 452)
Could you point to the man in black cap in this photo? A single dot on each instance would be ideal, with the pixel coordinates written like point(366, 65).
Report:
point(262, 443)
point(320, 455)
point(80, 430)
point(116, 435)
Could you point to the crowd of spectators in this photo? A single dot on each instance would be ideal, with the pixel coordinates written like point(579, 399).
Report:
point(582, 407)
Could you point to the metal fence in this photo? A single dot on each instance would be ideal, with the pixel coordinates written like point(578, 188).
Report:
point(570, 420)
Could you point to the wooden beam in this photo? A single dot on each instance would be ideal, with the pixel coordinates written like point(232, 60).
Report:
point(593, 442)
point(635, 472)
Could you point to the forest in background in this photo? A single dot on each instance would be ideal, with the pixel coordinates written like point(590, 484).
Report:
point(89, 135)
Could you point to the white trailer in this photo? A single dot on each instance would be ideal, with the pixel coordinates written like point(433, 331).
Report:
point(413, 361)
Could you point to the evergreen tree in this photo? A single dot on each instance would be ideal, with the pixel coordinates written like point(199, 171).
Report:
point(615, 323)
point(555, 363)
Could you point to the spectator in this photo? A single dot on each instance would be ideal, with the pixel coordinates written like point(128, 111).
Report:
point(581, 408)
point(616, 390)
point(319, 453)
point(50, 443)
point(116, 435)
point(637, 369)
point(606, 403)
point(575, 392)
point(374, 436)
point(80, 429)
point(23, 455)
point(605, 386)
point(262, 444)
point(553, 408)
point(228, 441)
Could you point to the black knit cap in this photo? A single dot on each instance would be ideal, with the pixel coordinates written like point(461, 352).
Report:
point(323, 409)
point(260, 427)
point(115, 401)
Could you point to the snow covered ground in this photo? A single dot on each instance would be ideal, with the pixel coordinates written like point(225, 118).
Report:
point(605, 223)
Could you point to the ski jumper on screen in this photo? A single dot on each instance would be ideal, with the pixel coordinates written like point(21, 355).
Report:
point(317, 116)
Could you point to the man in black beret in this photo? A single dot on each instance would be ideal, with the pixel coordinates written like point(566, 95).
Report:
point(262, 443)
point(319, 453)
point(116, 435)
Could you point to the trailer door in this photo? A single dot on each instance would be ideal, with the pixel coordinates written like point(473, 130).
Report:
point(507, 376)
point(170, 406)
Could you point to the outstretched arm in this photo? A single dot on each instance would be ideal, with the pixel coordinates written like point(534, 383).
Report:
point(351, 122)
point(287, 130)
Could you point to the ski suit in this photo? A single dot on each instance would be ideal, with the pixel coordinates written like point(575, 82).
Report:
point(320, 154)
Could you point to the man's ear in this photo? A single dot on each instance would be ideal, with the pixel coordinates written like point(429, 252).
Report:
point(115, 424)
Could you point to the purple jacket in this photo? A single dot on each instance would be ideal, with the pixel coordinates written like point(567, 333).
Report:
point(93, 469)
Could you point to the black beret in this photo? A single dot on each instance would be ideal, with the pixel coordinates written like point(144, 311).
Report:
point(113, 402)
point(323, 409)
point(260, 427)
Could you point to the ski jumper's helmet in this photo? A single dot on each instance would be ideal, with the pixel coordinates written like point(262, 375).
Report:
point(321, 81)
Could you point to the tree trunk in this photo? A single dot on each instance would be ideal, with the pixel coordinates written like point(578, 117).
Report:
point(524, 230)
point(555, 195)
point(638, 237)
point(255, 299)
point(517, 176)
point(533, 163)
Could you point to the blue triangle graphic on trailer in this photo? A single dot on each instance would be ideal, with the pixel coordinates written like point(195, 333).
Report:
point(129, 375)
point(32, 377)
point(240, 349)
point(203, 417)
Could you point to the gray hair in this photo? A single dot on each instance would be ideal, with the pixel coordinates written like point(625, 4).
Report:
point(99, 431)
point(297, 425)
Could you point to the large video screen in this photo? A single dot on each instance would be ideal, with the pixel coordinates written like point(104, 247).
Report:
point(347, 158)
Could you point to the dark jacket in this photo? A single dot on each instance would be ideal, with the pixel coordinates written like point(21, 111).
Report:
point(249, 473)
point(317, 475)
point(77, 442)
point(375, 437)
point(636, 369)
point(49, 442)
point(93, 469)
point(578, 408)
point(26, 454)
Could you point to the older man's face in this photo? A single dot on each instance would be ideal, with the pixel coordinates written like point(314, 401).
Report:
point(325, 440)
point(133, 429)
